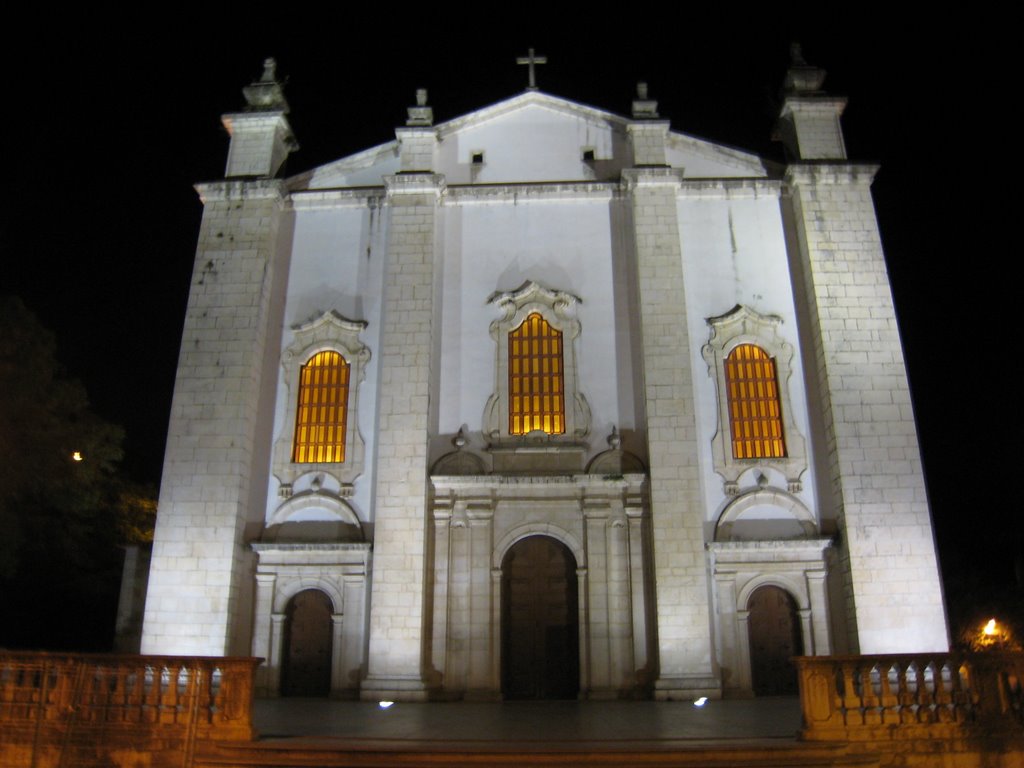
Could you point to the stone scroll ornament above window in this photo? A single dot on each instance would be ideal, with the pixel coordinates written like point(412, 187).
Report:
point(751, 364)
point(535, 394)
point(323, 368)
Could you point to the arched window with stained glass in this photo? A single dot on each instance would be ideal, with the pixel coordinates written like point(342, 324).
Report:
point(536, 380)
point(322, 409)
point(755, 410)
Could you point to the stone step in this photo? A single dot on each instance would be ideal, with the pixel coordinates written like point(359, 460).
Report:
point(354, 753)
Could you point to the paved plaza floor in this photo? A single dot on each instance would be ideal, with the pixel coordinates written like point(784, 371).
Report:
point(614, 724)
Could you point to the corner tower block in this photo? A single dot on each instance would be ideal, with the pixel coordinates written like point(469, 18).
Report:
point(648, 134)
point(808, 125)
point(261, 138)
point(866, 445)
point(417, 140)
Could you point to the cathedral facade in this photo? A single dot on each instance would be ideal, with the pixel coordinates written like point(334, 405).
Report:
point(541, 401)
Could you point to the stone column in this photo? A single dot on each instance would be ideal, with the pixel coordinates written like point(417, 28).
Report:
point(407, 375)
point(744, 677)
point(620, 613)
point(817, 591)
point(725, 589)
point(638, 588)
point(495, 635)
point(439, 617)
point(459, 616)
point(582, 596)
point(261, 632)
point(596, 520)
point(806, 630)
point(480, 547)
point(274, 662)
point(685, 662)
point(337, 654)
point(353, 637)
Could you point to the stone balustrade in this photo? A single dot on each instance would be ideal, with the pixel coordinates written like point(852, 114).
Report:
point(911, 696)
point(51, 702)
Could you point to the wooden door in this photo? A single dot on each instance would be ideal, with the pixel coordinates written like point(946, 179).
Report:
point(306, 656)
point(540, 621)
point(775, 638)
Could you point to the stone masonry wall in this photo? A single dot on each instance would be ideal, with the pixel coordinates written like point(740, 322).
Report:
point(875, 483)
point(195, 588)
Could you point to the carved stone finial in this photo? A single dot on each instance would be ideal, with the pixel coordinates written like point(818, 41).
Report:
point(644, 108)
point(796, 55)
point(802, 78)
point(421, 114)
point(459, 441)
point(269, 70)
point(267, 93)
point(614, 441)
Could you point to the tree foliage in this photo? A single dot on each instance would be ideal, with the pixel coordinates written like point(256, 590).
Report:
point(61, 519)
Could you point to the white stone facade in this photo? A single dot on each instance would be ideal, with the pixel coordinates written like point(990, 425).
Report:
point(649, 256)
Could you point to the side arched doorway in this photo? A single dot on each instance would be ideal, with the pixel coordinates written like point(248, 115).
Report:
point(306, 655)
point(774, 639)
point(540, 621)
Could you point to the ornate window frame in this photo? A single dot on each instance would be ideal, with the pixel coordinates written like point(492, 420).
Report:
point(331, 332)
point(556, 307)
point(742, 325)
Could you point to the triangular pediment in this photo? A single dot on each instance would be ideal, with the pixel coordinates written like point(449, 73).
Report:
point(534, 138)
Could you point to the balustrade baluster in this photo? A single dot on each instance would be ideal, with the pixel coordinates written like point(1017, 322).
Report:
point(889, 702)
point(943, 693)
point(871, 689)
point(851, 702)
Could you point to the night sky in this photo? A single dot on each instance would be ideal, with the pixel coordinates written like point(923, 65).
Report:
point(110, 121)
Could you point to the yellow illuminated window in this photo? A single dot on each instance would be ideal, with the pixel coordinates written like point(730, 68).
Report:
point(323, 407)
point(536, 384)
point(755, 412)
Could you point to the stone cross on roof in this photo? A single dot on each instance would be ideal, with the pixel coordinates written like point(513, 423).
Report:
point(530, 60)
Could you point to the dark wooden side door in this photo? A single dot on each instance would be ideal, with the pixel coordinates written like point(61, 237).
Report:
point(540, 621)
point(774, 639)
point(306, 656)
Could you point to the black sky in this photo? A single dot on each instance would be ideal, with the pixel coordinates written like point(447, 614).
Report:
point(109, 122)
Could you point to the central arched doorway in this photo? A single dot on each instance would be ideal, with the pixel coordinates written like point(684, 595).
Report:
point(306, 655)
point(775, 639)
point(540, 621)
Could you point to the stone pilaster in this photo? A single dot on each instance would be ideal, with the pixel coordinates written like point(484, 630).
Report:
point(869, 460)
point(598, 598)
point(648, 138)
point(416, 149)
point(407, 376)
point(685, 662)
point(479, 662)
point(200, 586)
point(262, 639)
point(810, 130)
